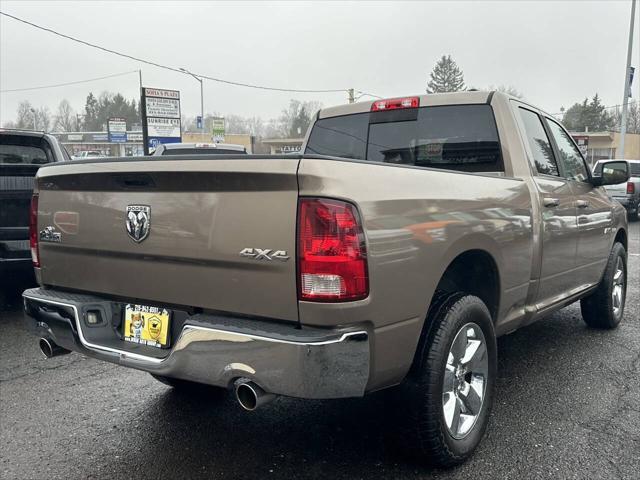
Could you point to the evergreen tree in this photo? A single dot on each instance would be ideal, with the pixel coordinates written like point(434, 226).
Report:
point(446, 76)
point(588, 115)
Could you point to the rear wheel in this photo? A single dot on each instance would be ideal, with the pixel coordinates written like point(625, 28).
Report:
point(604, 308)
point(445, 402)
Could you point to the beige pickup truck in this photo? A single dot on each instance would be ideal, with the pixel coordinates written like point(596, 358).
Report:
point(409, 235)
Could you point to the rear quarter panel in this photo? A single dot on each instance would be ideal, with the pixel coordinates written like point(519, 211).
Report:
point(417, 221)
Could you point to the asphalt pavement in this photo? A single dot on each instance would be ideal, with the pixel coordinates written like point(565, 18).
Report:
point(567, 406)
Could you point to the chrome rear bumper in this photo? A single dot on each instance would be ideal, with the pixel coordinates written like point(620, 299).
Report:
point(215, 350)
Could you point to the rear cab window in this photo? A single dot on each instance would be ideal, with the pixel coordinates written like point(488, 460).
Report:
point(452, 137)
point(13, 154)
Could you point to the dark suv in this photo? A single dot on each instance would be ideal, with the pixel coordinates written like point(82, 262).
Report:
point(21, 155)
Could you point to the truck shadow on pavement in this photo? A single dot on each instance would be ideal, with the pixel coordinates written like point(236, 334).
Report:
point(555, 389)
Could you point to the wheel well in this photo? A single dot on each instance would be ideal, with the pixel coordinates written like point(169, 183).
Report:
point(474, 272)
point(621, 237)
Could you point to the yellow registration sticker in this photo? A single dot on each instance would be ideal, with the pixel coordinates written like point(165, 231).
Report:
point(146, 325)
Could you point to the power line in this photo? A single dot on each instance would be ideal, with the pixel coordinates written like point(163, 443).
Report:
point(167, 67)
point(68, 83)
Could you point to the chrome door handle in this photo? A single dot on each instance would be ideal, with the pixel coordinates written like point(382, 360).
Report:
point(551, 202)
point(582, 203)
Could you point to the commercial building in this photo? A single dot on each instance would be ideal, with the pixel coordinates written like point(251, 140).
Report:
point(283, 146)
point(248, 141)
point(76, 142)
point(605, 145)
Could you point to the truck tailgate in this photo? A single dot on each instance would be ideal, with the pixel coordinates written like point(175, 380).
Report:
point(202, 214)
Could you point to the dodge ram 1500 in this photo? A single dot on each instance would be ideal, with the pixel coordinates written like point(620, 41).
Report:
point(409, 235)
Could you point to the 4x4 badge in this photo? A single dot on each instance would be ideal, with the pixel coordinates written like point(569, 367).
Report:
point(138, 222)
point(264, 254)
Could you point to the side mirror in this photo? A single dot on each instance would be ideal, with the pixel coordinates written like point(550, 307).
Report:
point(611, 173)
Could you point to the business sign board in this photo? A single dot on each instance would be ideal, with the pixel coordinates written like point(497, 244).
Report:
point(117, 130)
point(583, 143)
point(217, 129)
point(160, 117)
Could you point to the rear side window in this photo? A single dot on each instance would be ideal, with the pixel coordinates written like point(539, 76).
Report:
point(634, 169)
point(454, 137)
point(543, 158)
point(22, 154)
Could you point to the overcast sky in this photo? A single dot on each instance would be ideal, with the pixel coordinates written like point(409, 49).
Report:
point(555, 53)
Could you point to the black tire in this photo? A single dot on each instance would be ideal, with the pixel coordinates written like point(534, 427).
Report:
point(598, 308)
point(635, 216)
point(189, 387)
point(423, 432)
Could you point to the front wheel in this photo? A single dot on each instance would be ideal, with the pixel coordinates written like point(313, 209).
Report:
point(604, 308)
point(446, 399)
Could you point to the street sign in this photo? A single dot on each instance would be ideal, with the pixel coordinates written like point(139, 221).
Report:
point(117, 130)
point(198, 122)
point(217, 129)
point(583, 143)
point(160, 117)
point(632, 70)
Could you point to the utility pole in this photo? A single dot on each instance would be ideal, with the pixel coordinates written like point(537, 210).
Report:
point(352, 98)
point(33, 111)
point(627, 82)
point(201, 100)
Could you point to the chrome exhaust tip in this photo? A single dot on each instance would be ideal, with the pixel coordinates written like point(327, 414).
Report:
point(250, 395)
point(50, 349)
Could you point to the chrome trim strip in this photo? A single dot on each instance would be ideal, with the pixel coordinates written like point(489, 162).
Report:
point(185, 330)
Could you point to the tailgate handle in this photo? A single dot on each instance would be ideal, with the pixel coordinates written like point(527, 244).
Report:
point(135, 181)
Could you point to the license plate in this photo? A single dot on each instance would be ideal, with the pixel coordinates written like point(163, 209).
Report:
point(147, 325)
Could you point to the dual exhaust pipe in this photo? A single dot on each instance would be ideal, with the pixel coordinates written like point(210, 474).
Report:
point(51, 349)
point(249, 394)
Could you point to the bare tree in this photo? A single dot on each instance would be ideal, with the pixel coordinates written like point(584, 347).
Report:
point(24, 117)
point(65, 119)
point(633, 118)
point(43, 119)
point(508, 89)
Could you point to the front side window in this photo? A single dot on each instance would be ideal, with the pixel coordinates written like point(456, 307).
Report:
point(572, 162)
point(453, 137)
point(543, 159)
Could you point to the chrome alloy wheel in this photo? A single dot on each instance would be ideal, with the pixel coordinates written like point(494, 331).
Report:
point(617, 292)
point(465, 380)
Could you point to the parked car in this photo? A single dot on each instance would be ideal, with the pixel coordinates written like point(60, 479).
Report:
point(411, 233)
point(88, 154)
point(199, 149)
point(627, 194)
point(22, 153)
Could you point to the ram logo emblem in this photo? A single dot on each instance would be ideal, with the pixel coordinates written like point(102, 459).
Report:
point(138, 222)
point(264, 254)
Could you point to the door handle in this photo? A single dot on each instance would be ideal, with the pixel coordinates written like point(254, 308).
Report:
point(551, 202)
point(582, 203)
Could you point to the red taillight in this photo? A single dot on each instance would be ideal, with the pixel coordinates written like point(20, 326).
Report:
point(395, 104)
point(631, 188)
point(33, 231)
point(332, 261)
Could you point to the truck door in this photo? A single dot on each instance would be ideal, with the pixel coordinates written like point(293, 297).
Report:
point(559, 232)
point(594, 214)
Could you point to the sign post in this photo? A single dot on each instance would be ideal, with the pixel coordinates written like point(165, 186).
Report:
point(160, 117)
